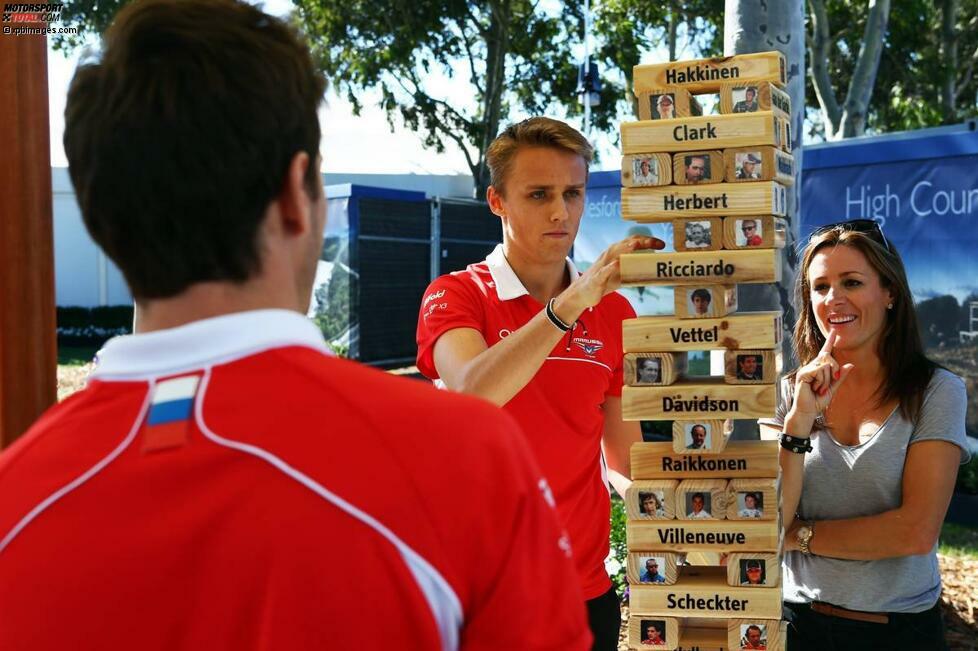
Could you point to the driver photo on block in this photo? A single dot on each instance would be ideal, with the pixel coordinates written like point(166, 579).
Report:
point(524, 330)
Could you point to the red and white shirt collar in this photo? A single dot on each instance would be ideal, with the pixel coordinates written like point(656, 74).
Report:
point(205, 342)
point(508, 284)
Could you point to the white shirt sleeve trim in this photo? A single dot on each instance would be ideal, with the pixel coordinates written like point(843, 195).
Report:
point(81, 479)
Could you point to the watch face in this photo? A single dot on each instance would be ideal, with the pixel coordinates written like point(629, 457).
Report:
point(803, 533)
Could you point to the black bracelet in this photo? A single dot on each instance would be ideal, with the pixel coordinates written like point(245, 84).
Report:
point(556, 320)
point(795, 444)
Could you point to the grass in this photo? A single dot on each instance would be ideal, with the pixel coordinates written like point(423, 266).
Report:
point(75, 355)
point(958, 541)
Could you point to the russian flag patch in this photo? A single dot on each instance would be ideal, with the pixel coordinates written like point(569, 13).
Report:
point(170, 413)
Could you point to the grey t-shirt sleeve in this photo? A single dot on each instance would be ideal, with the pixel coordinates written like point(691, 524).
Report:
point(942, 414)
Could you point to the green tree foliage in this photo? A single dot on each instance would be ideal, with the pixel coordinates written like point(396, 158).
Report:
point(916, 63)
point(504, 58)
point(628, 29)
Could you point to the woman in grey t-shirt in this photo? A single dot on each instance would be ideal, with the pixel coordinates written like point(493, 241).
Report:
point(886, 431)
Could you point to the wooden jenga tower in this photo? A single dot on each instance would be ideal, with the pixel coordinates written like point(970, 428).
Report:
point(704, 513)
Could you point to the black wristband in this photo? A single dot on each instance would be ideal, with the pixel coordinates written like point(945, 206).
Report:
point(795, 444)
point(556, 320)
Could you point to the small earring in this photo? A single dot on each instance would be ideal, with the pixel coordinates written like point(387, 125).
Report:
point(890, 306)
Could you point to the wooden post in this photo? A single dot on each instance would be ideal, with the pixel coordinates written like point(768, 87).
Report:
point(28, 348)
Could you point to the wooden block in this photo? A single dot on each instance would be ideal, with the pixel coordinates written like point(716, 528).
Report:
point(753, 570)
point(660, 633)
point(783, 134)
point(653, 369)
point(753, 499)
point(701, 436)
point(710, 301)
point(766, 97)
point(708, 559)
point(701, 267)
point(703, 592)
point(696, 167)
point(701, 499)
point(703, 535)
point(651, 499)
point(761, 232)
point(698, 234)
point(662, 204)
point(665, 570)
point(702, 639)
point(756, 633)
point(706, 75)
point(738, 459)
point(762, 163)
point(751, 366)
point(703, 132)
point(742, 330)
point(707, 398)
point(667, 104)
point(644, 170)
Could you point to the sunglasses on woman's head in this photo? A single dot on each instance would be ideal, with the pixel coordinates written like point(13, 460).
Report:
point(868, 226)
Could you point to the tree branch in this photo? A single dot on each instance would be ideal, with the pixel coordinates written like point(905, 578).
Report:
point(440, 126)
point(949, 63)
point(966, 80)
point(821, 42)
point(867, 64)
point(468, 53)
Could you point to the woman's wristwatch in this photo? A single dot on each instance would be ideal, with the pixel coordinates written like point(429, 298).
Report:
point(804, 537)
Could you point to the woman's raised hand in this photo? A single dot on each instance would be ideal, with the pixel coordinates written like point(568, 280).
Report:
point(817, 381)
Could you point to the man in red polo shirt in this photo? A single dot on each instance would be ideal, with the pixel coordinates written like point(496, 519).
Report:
point(524, 330)
point(223, 482)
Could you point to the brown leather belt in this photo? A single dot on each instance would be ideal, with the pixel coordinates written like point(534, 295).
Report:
point(858, 615)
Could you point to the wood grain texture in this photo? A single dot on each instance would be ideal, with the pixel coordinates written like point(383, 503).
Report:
point(701, 267)
point(707, 75)
point(665, 495)
point(738, 459)
point(688, 300)
point(708, 398)
point(665, 203)
point(670, 636)
point(668, 567)
point(770, 563)
point(773, 635)
point(703, 592)
point(737, 367)
point(671, 367)
point(772, 164)
point(768, 97)
point(714, 170)
point(772, 231)
point(766, 491)
point(742, 330)
point(28, 347)
point(714, 493)
point(703, 132)
point(685, 104)
point(702, 639)
point(703, 535)
point(659, 173)
point(697, 234)
point(717, 436)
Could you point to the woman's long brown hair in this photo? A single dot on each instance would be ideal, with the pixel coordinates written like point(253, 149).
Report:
point(906, 369)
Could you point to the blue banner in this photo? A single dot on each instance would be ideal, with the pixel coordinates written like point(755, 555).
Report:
point(926, 201)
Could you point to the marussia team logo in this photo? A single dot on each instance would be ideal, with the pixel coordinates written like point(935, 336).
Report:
point(589, 346)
